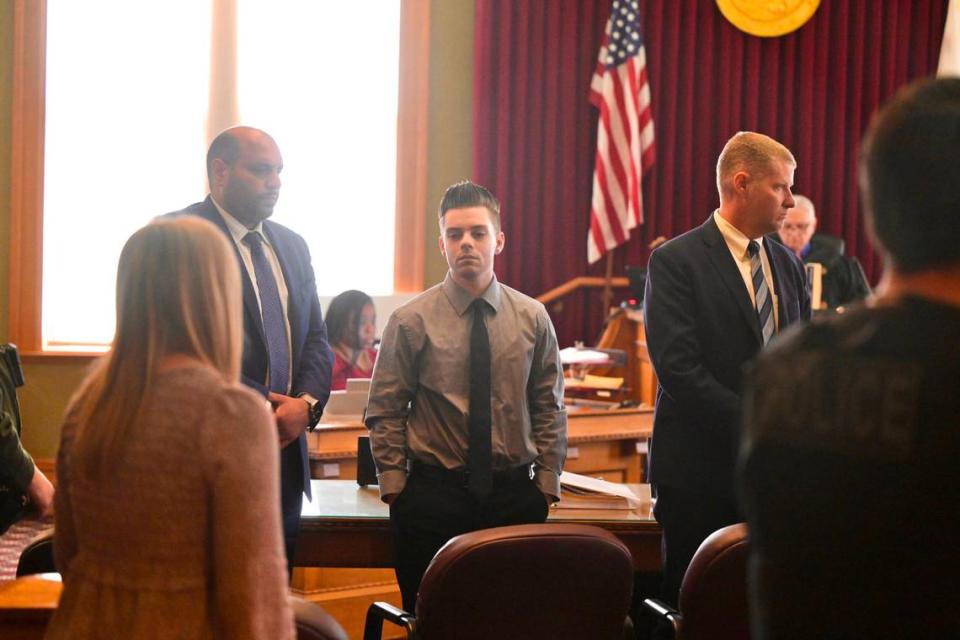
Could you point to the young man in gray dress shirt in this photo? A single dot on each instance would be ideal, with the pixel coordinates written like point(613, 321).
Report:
point(425, 384)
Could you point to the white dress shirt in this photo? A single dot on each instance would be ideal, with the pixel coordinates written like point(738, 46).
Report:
point(737, 243)
point(238, 232)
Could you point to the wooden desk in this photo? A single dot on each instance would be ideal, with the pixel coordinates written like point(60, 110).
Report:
point(607, 444)
point(26, 605)
point(333, 448)
point(348, 526)
point(624, 330)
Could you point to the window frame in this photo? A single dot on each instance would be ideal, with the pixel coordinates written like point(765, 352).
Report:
point(28, 114)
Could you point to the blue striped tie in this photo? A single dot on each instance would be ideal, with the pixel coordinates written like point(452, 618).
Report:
point(764, 301)
point(274, 326)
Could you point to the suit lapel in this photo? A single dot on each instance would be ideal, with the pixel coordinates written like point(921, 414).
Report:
point(719, 255)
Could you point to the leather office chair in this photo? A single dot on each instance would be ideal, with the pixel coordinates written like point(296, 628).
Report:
point(828, 245)
point(713, 596)
point(37, 556)
point(310, 620)
point(527, 581)
point(313, 623)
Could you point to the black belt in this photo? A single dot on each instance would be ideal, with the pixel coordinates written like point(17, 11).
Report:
point(460, 477)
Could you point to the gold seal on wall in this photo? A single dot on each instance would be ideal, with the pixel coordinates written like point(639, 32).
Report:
point(768, 18)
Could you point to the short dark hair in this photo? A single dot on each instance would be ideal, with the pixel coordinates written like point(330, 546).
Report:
point(226, 147)
point(910, 176)
point(343, 317)
point(468, 194)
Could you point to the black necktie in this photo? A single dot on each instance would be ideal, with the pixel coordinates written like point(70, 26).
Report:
point(479, 464)
point(274, 326)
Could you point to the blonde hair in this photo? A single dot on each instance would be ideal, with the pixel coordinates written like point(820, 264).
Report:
point(751, 152)
point(178, 292)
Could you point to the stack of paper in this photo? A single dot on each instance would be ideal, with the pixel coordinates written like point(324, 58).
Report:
point(573, 355)
point(583, 492)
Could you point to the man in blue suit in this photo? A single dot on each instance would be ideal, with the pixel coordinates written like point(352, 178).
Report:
point(714, 296)
point(286, 356)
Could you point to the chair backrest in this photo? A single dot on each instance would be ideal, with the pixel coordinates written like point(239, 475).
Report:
point(713, 596)
point(313, 622)
point(37, 556)
point(832, 246)
point(527, 581)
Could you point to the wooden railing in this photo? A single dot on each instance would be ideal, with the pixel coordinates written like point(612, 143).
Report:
point(582, 282)
point(623, 330)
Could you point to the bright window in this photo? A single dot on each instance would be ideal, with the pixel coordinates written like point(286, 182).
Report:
point(126, 119)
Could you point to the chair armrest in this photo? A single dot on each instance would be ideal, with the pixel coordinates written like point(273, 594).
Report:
point(380, 611)
point(664, 611)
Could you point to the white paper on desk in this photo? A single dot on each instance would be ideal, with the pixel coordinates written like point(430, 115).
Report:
point(595, 485)
point(572, 355)
point(593, 382)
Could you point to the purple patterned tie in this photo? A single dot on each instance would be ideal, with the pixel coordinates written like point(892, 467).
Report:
point(274, 326)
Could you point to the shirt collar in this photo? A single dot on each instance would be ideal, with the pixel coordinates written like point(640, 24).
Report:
point(734, 238)
point(236, 228)
point(461, 299)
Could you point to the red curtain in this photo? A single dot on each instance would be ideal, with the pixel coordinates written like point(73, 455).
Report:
point(814, 90)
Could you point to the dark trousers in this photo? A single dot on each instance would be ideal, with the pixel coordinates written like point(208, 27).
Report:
point(435, 506)
point(291, 498)
point(687, 518)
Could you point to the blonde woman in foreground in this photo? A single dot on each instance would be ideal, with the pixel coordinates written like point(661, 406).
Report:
point(167, 464)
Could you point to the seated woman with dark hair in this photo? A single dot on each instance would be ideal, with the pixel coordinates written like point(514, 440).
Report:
point(166, 510)
point(351, 329)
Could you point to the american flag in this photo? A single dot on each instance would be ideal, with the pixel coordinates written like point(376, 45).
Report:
point(624, 132)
